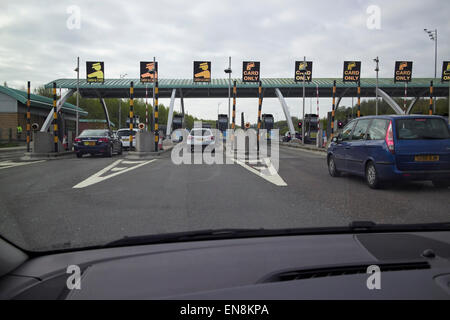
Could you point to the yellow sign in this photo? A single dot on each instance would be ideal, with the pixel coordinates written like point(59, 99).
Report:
point(95, 71)
point(352, 71)
point(403, 71)
point(446, 71)
point(202, 71)
point(250, 71)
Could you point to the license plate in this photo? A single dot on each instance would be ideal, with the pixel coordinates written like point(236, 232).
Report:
point(125, 139)
point(426, 158)
point(199, 139)
point(89, 143)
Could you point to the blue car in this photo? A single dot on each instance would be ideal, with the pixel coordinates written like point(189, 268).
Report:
point(393, 147)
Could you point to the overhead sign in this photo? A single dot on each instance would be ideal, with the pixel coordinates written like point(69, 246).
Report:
point(202, 71)
point(95, 71)
point(403, 71)
point(149, 71)
point(446, 71)
point(302, 68)
point(352, 71)
point(250, 71)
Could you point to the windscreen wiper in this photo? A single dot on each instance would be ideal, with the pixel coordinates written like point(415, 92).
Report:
point(222, 234)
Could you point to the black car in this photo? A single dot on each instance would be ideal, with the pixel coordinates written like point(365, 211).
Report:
point(97, 142)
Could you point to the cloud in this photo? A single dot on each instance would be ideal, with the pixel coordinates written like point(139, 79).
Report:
point(37, 45)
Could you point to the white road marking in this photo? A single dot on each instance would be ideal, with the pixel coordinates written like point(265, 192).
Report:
point(10, 164)
point(96, 178)
point(272, 178)
point(118, 168)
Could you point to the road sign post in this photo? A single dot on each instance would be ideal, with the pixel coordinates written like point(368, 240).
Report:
point(233, 124)
point(333, 106)
point(259, 109)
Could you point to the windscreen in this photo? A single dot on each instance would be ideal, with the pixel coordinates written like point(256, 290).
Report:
point(126, 133)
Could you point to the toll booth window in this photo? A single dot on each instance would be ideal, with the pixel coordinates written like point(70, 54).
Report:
point(345, 135)
point(377, 129)
point(360, 130)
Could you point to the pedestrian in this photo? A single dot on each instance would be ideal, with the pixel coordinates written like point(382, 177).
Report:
point(19, 131)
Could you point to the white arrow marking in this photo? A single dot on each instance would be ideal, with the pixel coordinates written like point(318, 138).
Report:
point(273, 177)
point(9, 164)
point(96, 178)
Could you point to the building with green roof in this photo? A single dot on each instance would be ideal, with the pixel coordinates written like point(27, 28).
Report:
point(13, 110)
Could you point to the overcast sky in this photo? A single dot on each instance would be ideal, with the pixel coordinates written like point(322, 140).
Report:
point(37, 45)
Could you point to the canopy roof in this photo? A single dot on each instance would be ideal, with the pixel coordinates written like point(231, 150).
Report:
point(218, 88)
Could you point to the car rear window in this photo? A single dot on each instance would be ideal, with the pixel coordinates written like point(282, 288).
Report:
point(94, 133)
point(377, 129)
point(126, 133)
point(200, 132)
point(422, 129)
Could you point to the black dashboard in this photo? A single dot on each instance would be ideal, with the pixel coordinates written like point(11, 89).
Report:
point(412, 265)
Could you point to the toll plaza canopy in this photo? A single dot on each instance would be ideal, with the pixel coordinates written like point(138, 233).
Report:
point(218, 88)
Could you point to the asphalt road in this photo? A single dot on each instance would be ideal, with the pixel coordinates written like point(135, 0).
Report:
point(74, 202)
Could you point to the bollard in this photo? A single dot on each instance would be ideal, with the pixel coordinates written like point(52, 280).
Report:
point(28, 116)
point(233, 123)
point(430, 110)
point(359, 99)
point(55, 119)
point(131, 113)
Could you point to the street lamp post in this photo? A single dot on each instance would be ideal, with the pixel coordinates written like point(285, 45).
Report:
point(229, 71)
point(433, 34)
point(376, 90)
point(120, 104)
point(77, 69)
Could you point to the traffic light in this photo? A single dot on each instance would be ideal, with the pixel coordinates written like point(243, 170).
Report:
point(300, 123)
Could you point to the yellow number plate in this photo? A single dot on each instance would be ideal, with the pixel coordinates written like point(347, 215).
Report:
point(89, 143)
point(426, 158)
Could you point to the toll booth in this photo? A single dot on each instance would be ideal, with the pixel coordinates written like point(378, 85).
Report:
point(177, 122)
point(222, 122)
point(267, 122)
point(311, 127)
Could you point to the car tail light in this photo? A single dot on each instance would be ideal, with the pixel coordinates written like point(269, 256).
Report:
point(101, 140)
point(190, 138)
point(390, 138)
point(77, 140)
point(212, 138)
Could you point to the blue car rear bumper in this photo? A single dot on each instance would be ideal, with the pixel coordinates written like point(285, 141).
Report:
point(389, 171)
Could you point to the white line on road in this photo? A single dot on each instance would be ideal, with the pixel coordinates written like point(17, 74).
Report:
point(96, 178)
point(10, 164)
point(273, 177)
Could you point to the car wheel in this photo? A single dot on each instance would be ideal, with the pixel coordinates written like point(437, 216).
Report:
point(79, 154)
point(120, 150)
point(372, 178)
point(110, 152)
point(334, 172)
point(441, 184)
